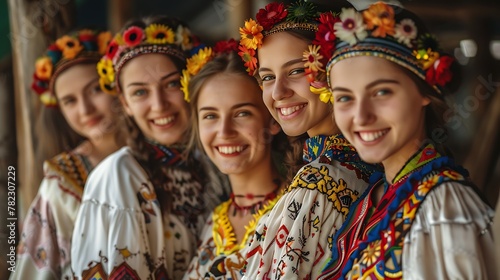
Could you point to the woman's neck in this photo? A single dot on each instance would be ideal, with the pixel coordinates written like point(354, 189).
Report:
point(98, 149)
point(256, 183)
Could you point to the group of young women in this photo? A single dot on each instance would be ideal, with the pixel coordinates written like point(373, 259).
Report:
point(303, 151)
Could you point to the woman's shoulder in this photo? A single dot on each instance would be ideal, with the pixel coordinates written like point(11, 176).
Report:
point(116, 179)
point(66, 172)
point(454, 202)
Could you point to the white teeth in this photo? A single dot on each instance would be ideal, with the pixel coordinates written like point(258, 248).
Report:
point(230, 149)
point(371, 136)
point(163, 121)
point(290, 110)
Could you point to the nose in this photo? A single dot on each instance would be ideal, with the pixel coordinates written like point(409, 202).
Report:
point(227, 128)
point(159, 101)
point(87, 105)
point(364, 113)
point(281, 90)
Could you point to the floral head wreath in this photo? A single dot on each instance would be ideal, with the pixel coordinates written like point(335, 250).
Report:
point(137, 40)
point(196, 62)
point(82, 46)
point(274, 18)
point(377, 32)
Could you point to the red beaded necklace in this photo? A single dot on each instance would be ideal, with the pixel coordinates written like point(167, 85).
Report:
point(255, 207)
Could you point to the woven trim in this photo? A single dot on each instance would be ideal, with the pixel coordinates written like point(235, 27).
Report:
point(146, 49)
point(383, 49)
point(287, 25)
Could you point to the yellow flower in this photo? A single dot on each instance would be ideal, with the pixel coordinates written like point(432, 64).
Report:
point(312, 58)
point(251, 35)
point(426, 58)
point(102, 41)
point(119, 39)
point(324, 94)
point(43, 68)
point(107, 86)
point(185, 84)
point(48, 99)
point(159, 34)
point(70, 47)
point(196, 62)
point(105, 70)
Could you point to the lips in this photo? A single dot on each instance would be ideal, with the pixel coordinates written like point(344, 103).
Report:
point(287, 111)
point(371, 136)
point(93, 121)
point(229, 150)
point(163, 121)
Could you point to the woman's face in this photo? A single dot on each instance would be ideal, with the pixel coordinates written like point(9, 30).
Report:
point(89, 111)
point(234, 125)
point(151, 95)
point(379, 109)
point(286, 89)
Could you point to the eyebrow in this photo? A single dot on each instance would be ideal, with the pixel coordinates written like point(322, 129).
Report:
point(161, 79)
point(88, 85)
point(286, 64)
point(372, 84)
point(236, 106)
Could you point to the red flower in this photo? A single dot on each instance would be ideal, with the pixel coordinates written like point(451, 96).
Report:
point(325, 36)
point(87, 37)
point(326, 31)
point(226, 46)
point(112, 49)
point(53, 47)
point(133, 36)
point(271, 14)
point(440, 72)
point(38, 85)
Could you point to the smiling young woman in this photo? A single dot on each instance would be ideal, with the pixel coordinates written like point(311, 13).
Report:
point(78, 122)
point(422, 218)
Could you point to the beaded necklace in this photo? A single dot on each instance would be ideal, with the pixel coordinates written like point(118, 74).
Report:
point(255, 207)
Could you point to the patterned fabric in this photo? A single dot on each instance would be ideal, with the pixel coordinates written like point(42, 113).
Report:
point(121, 231)
point(220, 256)
point(294, 239)
point(371, 243)
point(44, 247)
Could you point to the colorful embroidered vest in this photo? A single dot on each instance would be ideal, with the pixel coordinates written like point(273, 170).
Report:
point(74, 168)
point(370, 242)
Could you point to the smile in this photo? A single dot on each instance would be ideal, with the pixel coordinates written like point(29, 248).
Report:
point(290, 110)
point(163, 121)
point(372, 136)
point(228, 150)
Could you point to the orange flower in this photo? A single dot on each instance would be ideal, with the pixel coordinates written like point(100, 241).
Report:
point(251, 35)
point(248, 56)
point(103, 40)
point(43, 68)
point(380, 15)
point(70, 47)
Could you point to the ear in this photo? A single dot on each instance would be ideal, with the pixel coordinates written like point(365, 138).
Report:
point(275, 127)
point(426, 101)
point(125, 105)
